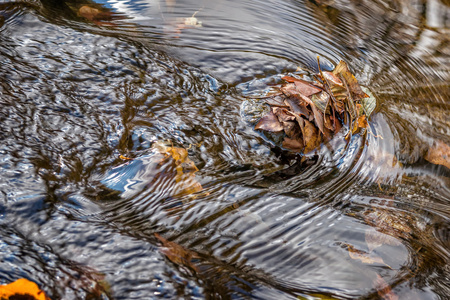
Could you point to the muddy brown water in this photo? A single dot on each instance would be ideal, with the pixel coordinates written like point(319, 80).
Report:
point(367, 218)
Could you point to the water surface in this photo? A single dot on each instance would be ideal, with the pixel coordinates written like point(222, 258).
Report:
point(86, 85)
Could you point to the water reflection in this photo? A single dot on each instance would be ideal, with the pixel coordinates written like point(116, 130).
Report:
point(84, 83)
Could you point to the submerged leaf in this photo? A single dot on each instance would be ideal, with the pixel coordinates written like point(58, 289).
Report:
point(383, 289)
point(365, 257)
point(439, 154)
point(22, 289)
point(177, 254)
point(375, 239)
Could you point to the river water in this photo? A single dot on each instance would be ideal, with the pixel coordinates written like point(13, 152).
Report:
point(87, 208)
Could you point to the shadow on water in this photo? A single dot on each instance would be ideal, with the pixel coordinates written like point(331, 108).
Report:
point(90, 209)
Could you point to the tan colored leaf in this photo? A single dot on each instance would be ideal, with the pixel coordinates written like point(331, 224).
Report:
point(185, 168)
point(311, 136)
point(269, 123)
point(332, 79)
point(383, 289)
point(177, 254)
point(439, 154)
point(321, 101)
point(375, 239)
point(22, 289)
point(353, 85)
point(368, 104)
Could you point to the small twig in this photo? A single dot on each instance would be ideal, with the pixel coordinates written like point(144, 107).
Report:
point(328, 89)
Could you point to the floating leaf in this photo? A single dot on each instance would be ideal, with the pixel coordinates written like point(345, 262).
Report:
point(22, 289)
point(439, 154)
point(270, 123)
point(319, 108)
point(292, 129)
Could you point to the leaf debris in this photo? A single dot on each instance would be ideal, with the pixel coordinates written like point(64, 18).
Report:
point(309, 113)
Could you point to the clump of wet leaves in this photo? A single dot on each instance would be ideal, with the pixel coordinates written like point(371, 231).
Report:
point(309, 113)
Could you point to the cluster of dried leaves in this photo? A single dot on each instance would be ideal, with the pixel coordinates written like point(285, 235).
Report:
point(312, 112)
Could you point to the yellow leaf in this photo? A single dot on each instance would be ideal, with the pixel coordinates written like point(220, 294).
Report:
point(22, 287)
point(184, 167)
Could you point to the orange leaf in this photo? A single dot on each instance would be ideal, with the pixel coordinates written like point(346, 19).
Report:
point(24, 288)
point(384, 290)
point(439, 154)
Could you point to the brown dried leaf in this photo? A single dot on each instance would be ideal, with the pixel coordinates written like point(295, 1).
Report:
point(353, 85)
point(328, 123)
point(276, 101)
point(289, 90)
point(177, 254)
point(332, 78)
point(282, 114)
point(291, 129)
point(298, 106)
point(375, 239)
point(439, 154)
point(311, 136)
point(293, 144)
point(364, 256)
point(318, 116)
point(302, 86)
point(270, 123)
point(383, 289)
